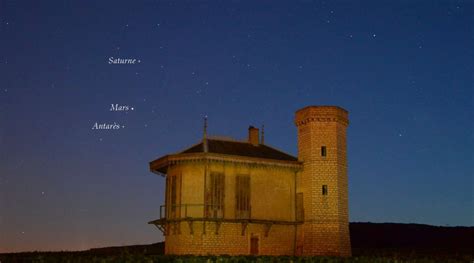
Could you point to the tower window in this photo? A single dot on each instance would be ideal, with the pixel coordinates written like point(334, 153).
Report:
point(325, 190)
point(323, 151)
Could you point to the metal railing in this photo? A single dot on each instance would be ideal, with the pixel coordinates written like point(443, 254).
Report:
point(191, 211)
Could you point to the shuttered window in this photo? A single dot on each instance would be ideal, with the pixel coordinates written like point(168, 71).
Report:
point(173, 192)
point(215, 202)
point(299, 207)
point(242, 196)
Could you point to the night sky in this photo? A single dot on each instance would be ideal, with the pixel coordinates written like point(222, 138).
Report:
point(403, 69)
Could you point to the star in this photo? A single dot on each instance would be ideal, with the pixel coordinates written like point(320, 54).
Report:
point(139, 61)
point(123, 126)
point(6, 90)
point(400, 135)
point(157, 24)
point(42, 193)
point(374, 35)
point(328, 21)
point(100, 139)
point(146, 125)
point(207, 83)
point(132, 108)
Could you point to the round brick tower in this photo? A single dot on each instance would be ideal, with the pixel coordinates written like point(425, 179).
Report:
point(323, 181)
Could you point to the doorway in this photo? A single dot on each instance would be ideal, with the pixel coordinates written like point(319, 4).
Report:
point(254, 245)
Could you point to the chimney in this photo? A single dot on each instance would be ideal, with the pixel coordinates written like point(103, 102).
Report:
point(253, 136)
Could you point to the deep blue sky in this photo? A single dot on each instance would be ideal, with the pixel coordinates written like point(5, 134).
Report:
point(403, 69)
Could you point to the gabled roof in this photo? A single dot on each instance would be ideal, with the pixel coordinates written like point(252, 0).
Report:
point(241, 149)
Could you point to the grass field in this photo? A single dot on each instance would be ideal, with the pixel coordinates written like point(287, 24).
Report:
point(125, 256)
point(371, 242)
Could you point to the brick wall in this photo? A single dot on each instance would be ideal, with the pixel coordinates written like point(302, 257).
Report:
point(229, 240)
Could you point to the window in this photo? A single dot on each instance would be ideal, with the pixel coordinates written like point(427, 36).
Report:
point(215, 201)
point(242, 196)
point(173, 195)
point(325, 190)
point(299, 207)
point(323, 151)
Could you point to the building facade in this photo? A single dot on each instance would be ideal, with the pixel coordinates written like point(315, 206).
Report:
point(239, 198)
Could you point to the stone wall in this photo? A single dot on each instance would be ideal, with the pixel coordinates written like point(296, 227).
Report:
point(326, 223)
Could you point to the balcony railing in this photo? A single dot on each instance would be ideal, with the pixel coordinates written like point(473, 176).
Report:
point(197, 211)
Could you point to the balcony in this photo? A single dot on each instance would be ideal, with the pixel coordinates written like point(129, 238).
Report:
point(170, 216)
point(190, 211)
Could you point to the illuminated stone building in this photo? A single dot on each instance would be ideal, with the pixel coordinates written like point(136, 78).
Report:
point(239, 198)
